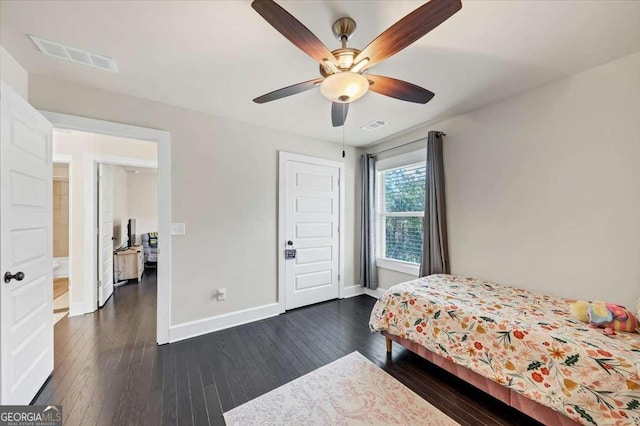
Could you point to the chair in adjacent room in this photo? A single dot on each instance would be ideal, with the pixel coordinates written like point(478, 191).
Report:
point(150, 249)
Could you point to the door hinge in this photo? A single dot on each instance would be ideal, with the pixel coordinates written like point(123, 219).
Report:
point(338, 277)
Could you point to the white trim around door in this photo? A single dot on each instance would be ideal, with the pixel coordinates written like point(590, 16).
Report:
point(92, 162)
point(75, 309)
point(163, 139)
point(284, 157)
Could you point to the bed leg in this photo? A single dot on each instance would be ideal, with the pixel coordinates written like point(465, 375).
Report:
point(389, 342)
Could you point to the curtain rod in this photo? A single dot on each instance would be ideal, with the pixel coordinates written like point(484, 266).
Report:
point(405, 144)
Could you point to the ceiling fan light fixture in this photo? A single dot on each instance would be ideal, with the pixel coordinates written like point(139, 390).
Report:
point(345, 58)
point(344, 87)
point(360, 65)
point(345, 62)
point(331, 67)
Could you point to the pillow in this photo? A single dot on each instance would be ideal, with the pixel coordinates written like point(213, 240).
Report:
point(578, 310)
point(604, 315)
point(599, 314)
point(624, 320)
point(153, 239)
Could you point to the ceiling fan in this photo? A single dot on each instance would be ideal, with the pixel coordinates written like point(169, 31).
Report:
point(344, 76)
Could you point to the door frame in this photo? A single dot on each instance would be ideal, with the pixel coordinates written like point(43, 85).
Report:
point(282, 184)
point(163, 140)
point(91, 298)
point(67, 159)
point(99, 241)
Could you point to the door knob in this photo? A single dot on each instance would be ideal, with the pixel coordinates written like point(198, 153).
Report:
point(289, 243)
point(8, 276)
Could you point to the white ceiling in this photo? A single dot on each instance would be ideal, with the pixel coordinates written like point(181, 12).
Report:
point(216, 56)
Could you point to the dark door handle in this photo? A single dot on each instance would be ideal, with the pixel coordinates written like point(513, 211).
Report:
point(289, 243)
point(8, 276)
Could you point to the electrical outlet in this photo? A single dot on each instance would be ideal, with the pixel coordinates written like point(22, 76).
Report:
point(222, 294)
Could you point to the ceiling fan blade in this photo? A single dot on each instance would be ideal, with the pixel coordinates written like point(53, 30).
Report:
point(339, 113)
point(399, 89)
point(293, 30)
point(408, 30)
point(288, 91)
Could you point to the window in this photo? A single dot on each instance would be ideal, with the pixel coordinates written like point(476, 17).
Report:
point(400, 212)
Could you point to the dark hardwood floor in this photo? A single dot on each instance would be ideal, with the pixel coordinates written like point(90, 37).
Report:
point(109, 370)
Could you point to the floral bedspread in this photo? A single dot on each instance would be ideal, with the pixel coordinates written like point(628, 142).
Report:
point(522, 340)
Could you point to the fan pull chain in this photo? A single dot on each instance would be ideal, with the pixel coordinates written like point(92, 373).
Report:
point(343, 153)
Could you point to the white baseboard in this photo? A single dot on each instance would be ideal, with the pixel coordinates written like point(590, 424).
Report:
point(196, 328)
point(76, 309)
point(220, 322)
point(352, 290)
point(377, 293)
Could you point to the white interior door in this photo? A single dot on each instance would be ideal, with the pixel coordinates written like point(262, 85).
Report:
point(312, 221)
point(105, 233)
point(26, 223)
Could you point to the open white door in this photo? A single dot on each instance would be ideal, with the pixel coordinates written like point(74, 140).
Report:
point(311, 222)
point(105, 233)
point(26, 222)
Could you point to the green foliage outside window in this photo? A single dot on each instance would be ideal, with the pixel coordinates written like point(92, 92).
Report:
point(404, 190)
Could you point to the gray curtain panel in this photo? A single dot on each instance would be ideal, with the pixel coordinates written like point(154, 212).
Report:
point(435, 252)
point(368, 272)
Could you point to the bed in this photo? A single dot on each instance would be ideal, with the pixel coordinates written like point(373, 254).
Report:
point(524, 348)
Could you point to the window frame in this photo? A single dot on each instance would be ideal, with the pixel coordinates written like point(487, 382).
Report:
point(412, 158)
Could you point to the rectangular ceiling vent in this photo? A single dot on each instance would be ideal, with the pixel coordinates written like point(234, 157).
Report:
point(75, 55)
point(374, 125)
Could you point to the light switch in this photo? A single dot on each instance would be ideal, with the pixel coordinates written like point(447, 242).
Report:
point(178, 229)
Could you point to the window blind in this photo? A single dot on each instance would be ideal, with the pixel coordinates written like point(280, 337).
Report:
point(402, 212)
point(404, 189)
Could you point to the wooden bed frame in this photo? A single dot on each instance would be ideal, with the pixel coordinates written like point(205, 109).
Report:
point(531, 408)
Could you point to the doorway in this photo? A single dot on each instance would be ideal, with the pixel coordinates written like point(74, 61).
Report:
point(88, 168)
point(99, 187)
point(61, 237)
point(127, 221)
point(311, 211)
point(26, 308)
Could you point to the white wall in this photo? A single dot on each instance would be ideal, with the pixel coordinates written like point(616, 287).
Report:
point(543, 188)
point(120, 205)
point(83, 148)
point(225, 176)
point(142, 201)
point(388, 278)
point(12, 73)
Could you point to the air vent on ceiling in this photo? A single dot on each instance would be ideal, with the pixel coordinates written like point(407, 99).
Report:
point(75, 55)
point(374, 125)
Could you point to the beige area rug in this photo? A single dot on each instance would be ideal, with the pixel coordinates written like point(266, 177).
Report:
point(349, 391)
